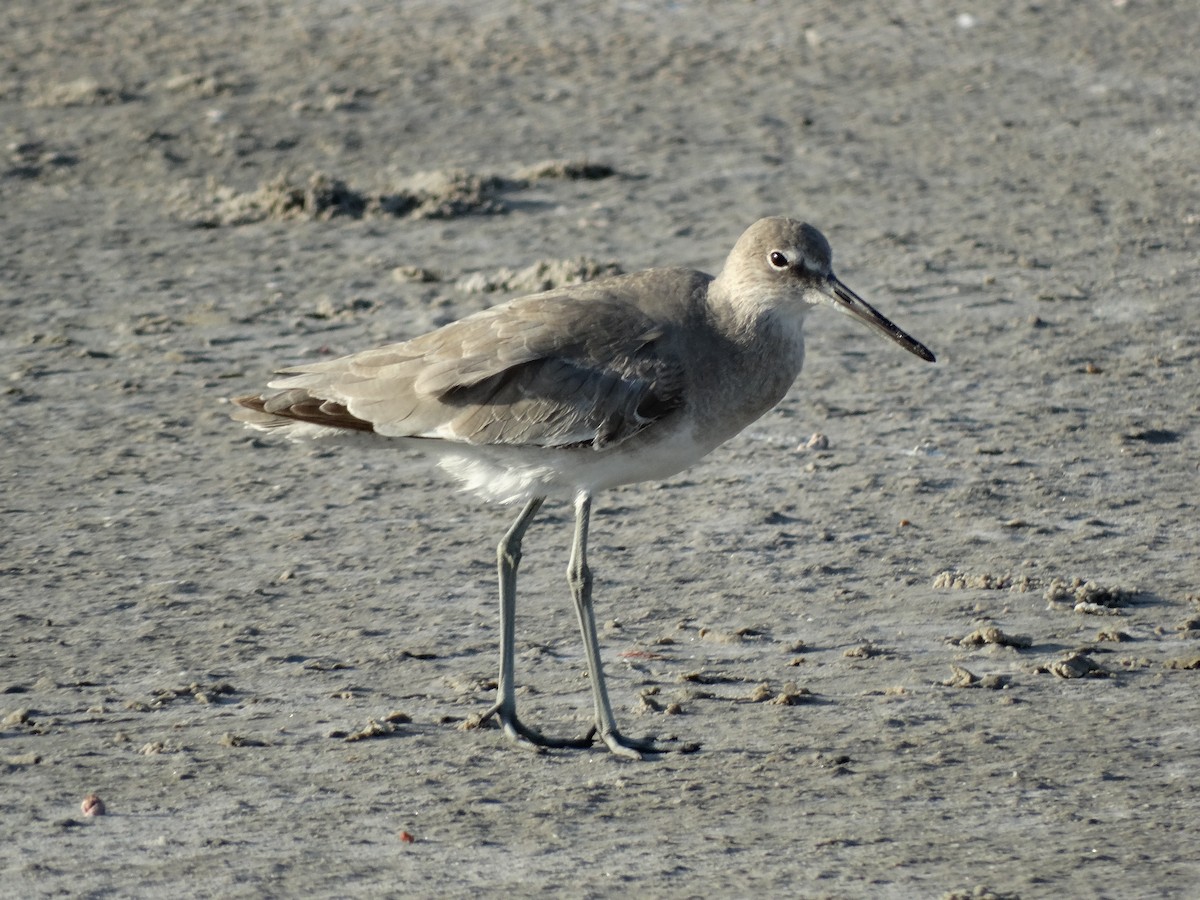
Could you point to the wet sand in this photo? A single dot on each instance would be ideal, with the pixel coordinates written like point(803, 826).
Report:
point(951, 650)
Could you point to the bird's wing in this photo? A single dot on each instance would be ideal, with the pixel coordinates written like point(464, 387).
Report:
point(554, 370)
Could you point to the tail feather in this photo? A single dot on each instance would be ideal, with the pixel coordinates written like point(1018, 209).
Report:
point(289, 407)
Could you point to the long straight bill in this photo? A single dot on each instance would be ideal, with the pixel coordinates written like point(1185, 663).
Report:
point(845, 300)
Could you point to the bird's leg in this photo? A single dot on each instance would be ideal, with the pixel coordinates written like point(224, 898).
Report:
point(508, 557)
point(580, 578)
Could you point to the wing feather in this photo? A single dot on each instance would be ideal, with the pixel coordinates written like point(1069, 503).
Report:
point(562, 369)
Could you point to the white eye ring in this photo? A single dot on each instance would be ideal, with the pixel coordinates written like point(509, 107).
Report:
point(777, 259)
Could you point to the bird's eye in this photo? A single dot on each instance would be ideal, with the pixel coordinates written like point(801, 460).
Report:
point(778, 260)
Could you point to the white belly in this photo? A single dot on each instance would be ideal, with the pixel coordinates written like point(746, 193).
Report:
point(506, 474)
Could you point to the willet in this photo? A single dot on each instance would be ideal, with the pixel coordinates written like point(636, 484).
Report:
point(571, 391)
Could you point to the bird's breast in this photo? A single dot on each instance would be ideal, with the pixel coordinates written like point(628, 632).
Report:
point(743, 380)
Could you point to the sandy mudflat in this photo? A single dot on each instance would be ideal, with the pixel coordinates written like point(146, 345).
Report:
point(956, 652)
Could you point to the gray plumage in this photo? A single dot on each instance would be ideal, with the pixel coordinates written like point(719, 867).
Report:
point(580, 389)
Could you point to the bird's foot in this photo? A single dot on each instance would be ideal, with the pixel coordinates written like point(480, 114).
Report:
point(637, 748)
point(521, 734)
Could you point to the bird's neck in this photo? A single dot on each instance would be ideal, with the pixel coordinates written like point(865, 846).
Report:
point(754, 320)
point(763, 354)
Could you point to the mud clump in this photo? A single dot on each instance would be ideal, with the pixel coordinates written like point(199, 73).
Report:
point(990, 634)
point(1089, 594)
point(428, 195)
point(543, 275)
point(1078, 665)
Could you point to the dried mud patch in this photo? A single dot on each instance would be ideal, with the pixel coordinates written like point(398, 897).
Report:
point(437, 194)
point(1080, 594)
point(84, 91)
point(543, 275)
point(432, 195)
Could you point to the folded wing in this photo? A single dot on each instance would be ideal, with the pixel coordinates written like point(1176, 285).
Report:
point(551, 370)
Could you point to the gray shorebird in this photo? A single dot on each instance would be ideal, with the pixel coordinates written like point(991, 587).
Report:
point(571, 391)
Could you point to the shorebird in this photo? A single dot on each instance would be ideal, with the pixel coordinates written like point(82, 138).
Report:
point(578, 389)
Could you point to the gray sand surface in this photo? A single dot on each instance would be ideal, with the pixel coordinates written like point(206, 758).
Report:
point(955, 652)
